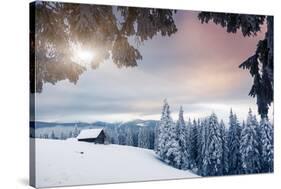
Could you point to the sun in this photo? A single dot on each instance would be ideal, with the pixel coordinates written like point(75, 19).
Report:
point(83, 56)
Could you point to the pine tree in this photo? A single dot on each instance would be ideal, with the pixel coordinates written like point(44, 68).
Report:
point(129, 137)
point(203, 148)
point(46, 136)
point(233, 142)
point(53, 135)
point(156, 138)
point(190, 163)
point(122, 136)
point(70, 134)
point(173, 150)
point(115, 136)
point(249, 147)
point(225, 150)
point(62, 136)
point(243, 125)
point(213, 153)
point(266, 145)
point(167, 148)
point(76, 131)
point(143, 138)
point(258, 131)
point(199, 146)
point(181, 138)
point(163, 127)
point(193, 144)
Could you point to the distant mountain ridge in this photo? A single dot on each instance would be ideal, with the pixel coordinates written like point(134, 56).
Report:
point(40, 129)
point(136, 122)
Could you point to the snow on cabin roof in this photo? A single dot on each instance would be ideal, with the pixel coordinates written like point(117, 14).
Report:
point(89, 133)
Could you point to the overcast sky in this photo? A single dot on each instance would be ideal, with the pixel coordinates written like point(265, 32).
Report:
point(197, 68)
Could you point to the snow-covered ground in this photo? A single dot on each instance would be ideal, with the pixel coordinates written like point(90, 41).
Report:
point(69, 162)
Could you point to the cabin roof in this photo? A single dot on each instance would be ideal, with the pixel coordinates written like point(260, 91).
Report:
point(89, 133)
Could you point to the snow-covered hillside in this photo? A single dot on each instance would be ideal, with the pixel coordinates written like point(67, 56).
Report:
point(69, 162)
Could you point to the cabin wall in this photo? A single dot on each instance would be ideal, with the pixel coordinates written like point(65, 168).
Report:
point(100, 139)
point(87, 140)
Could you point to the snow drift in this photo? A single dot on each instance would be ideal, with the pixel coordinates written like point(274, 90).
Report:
point(69, 162)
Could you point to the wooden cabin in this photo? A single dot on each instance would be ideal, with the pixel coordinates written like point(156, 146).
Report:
point(92, 135)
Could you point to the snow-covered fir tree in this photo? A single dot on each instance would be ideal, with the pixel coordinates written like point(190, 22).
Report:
point(167, 148)
point(212, 164)
point(242, 127)
point(266, 143)
point(204, 130)
point(122, 136)
point(225, 151)
point(199, 145)
point(233, 142)
point(190, 163)
point(249, 146)
point(129, 137)
point(115, 139)
point(53, 136)
point(258, 131)
point(70, 135)
point(143, 138)
point(193, 144)
point(62, 136)
point(76, 131)
point(182, 140)
point(156, 138)
point(112, 135)
point(173, 149)
point(46, 136)
point(162, 130)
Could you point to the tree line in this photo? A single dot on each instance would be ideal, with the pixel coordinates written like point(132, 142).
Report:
point(130, 135)
point(208, 148)
point(57, 135)
point(141, 136)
